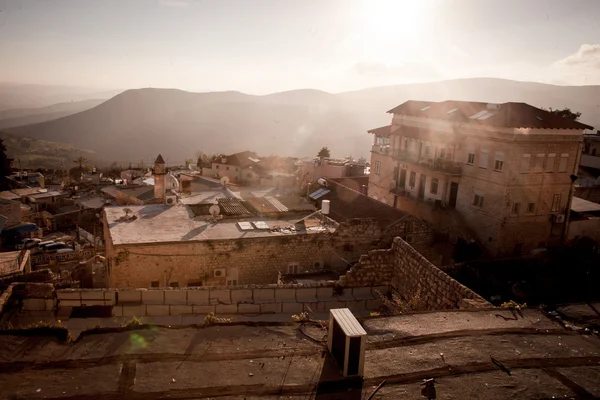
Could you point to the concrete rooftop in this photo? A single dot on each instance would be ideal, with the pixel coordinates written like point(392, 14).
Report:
point(158, 223)
point(289, 360)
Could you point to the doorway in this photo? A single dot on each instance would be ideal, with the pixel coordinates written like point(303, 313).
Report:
point(402, 180)
point(422, 180)
point(453, 194)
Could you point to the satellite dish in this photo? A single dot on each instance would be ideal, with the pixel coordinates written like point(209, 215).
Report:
point(224, 180)
point(127, 211)
point(214, 210)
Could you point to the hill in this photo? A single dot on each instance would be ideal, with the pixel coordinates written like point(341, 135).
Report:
point(138, 124)
point(27, 116)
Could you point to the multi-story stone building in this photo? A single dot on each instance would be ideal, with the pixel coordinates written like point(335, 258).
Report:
point(504, 169)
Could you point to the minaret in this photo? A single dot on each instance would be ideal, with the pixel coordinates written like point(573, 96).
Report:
point(159, 178)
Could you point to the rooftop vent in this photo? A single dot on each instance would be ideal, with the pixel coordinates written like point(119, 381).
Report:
point(346, 342)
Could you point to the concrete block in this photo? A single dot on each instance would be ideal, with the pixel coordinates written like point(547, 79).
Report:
point(324, 293)
point(310, 307)
point(334, 304)
point(381, 289)
point(306, 295)
point(345, 294)
point(285, 295)
point(226, 309)
point(362, 293)
point(176, 297)
point(153, 297)
point(134, 311)
point(198, 297)
point(180, 310)
point(89, 303)
point(34, 304)
point(64, 313)
point(70, 295)
point(241, 295)
point(202, 309)
point(50, 304)
point(220, 296)
point(129, 296)
point(374, 304)
point(356, 305)
point(109, 296)
point(157, 309)
point(248, 308)
point(69, 303)
point(264, 296)
point(270, 308)
point(292, 308)
point(117, 311)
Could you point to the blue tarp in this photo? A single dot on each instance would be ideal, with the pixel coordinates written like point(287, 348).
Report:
point(20, 230)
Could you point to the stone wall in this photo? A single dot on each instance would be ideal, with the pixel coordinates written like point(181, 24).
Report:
point(412, 276)
point(267, 299)
point(27, 297)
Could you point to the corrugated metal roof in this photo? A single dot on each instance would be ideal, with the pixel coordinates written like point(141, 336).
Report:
point(232, 207)
point(277, 204)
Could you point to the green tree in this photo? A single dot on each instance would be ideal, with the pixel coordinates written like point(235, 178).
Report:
point(82, 167)
point(324, 152)
point(566, 113)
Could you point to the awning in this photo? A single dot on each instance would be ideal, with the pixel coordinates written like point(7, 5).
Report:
point(581, 205)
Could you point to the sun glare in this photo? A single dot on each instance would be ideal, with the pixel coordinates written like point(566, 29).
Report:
point(394, 27)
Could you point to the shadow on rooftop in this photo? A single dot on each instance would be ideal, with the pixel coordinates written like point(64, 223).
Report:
point(151, 211)
point(332, 384)
point(194, 232)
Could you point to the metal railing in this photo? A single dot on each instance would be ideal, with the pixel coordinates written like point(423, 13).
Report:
point(441, 165)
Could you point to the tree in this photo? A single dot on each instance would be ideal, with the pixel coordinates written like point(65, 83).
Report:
point(324, 152)
point(566, 113)
point(4, 166)
point(81, 162)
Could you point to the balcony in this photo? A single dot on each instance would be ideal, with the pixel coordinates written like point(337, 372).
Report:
point(381, 149)
point(448, 167)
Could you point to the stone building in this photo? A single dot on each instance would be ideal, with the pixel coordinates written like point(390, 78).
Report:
point(504, 170)
point(242, 168)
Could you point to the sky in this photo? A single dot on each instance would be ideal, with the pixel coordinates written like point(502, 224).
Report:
point(263, 46)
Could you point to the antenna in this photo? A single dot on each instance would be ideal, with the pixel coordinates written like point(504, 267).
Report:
point(224, 180)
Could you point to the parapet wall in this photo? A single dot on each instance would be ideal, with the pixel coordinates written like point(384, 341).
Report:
point(266, 299)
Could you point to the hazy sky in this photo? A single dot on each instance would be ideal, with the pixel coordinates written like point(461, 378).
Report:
point(260, 46)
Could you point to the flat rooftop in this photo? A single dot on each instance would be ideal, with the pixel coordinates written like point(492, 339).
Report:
point(156, 223)
point(9, 262)
point(288, 360)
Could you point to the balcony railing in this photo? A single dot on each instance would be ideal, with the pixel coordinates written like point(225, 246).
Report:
point(381, 149)
point(448, 167)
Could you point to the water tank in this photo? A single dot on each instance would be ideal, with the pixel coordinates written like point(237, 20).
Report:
point(322, 182)
point(325, 204)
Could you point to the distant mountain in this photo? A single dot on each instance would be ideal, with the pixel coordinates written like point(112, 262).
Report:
point(138, 124)
point(19, 96)
point(27, 116)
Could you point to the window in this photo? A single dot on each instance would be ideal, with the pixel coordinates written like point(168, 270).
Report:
point(530, 208)
point(434, 186)
point(498, 165)
point(154, 284)
point(516, 208)
point(412, 178)
point(483, 162)
point(405, 143)
point(539, 163)
point(550, 162)
point(377, 167)
point(174, 284)
point(293, 268)
point(556, 202)
point(382, 140)
point(562, 164)
point(525, 163)
point(427, 150)
point(232, 282)
point(442, 153)
point(478, 200)
point(471, 159)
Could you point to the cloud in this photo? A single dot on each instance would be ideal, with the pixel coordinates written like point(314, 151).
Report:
point(587, 56)
point(408, 70)
point(174, 3)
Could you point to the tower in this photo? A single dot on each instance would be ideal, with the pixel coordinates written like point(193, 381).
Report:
point(159, 178)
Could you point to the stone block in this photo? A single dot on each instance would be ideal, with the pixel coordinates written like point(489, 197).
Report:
point(381, 289)
point(329, 305)
point(134, 311)
point(89, 303)
point(241, 295)
point(292, 308)
point(68, 295)
point(270, 308)
point(306, 295)
point(157, 309)
point(92, 294)
point(356, 305)
point(264, 295)
point(362, 293)
point(153, 297)
point(310, 307)
point(226, 309)
point(248, 308)
point(197, 309)
point(69, 303)
point(180, 310)
point(117, 311)
point(176, 297)
point(34, 304)
point(324, 293)
point(50, 304)
point(374, 304)
point(129, 296)
point(220, 296)
point(109, 296)
point(285, 295)
point(198, 297)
